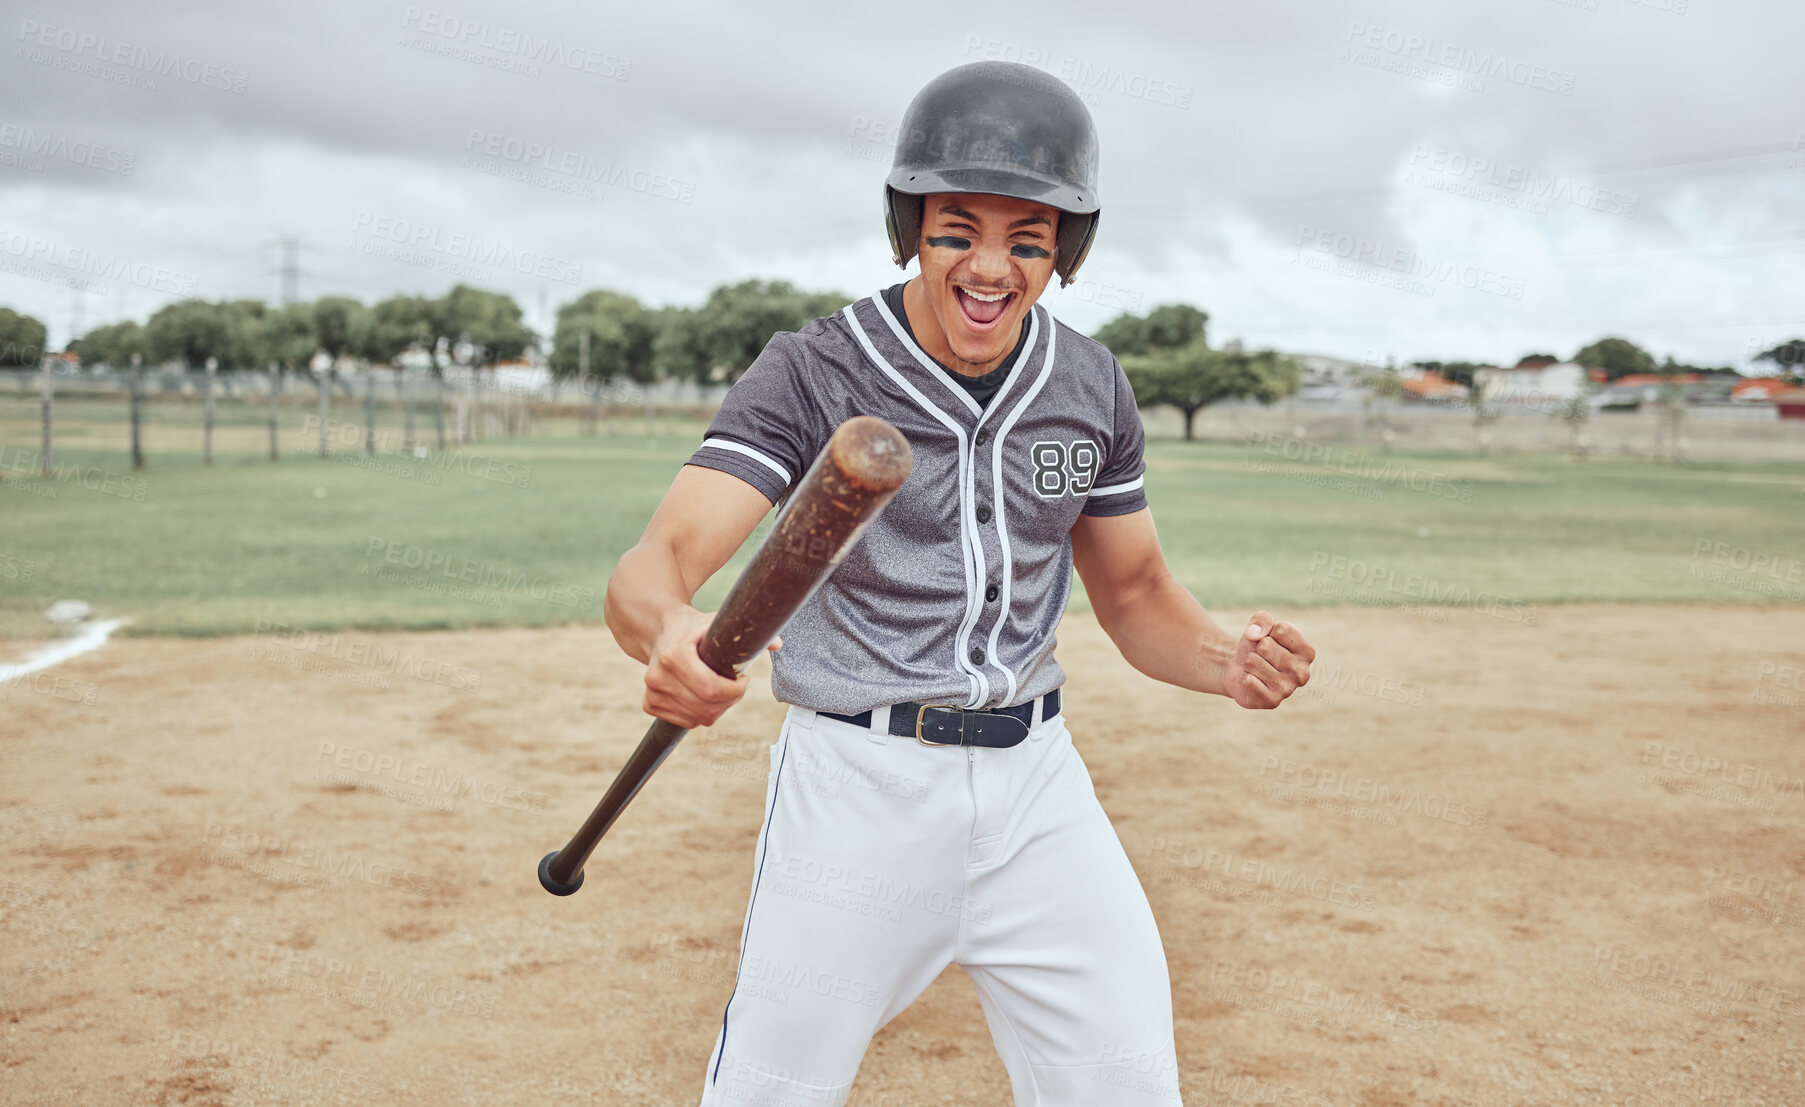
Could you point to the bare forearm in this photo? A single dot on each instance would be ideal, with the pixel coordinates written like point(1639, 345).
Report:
point(646, 589)
point(1165, 633)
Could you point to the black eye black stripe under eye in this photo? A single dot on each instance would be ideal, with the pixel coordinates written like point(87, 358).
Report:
point(1028, 252)
point(951, 242)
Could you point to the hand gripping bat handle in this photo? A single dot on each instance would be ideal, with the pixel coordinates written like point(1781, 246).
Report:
point(857, 472)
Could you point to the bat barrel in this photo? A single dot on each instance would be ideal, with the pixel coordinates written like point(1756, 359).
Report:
point(862, 466)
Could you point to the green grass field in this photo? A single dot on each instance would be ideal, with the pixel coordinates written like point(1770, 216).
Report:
point(524, 531)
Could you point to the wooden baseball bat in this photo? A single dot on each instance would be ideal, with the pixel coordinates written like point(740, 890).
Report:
point(857, 472)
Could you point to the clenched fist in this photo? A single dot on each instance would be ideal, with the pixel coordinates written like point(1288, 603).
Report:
point(1270, 662)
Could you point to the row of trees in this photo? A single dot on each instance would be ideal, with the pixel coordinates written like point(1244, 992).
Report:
point(1619, 357)
point(244, 334)
point(600, 334)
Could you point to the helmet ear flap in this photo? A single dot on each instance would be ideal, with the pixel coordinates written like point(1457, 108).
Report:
point(1076, 233)
point(902, 221)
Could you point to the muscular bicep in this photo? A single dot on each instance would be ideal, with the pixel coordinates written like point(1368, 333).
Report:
point(1117, 556)
point(704, 518)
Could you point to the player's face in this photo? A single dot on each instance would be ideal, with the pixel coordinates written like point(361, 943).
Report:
point(984, 261)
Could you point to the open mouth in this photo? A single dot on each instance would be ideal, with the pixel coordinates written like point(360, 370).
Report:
point(982, 310)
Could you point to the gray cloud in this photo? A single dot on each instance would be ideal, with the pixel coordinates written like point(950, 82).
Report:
point(1544, 172)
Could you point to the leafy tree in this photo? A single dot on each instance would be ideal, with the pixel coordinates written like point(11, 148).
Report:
point(1618, 357)
point(113, 344)
point(490, 321)
point(679, 350)
point(287, 337)
point(400, 323)
point(244, 320)
point(342, 325)
point(22, 339)
point(1169, 326)
point(1789, 356)
point(621, 337)
point(1192, 377)
point(191, 331)
point(737, 321)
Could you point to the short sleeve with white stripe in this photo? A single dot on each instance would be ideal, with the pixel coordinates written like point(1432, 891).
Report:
point(1117, 489)
point(769, 427)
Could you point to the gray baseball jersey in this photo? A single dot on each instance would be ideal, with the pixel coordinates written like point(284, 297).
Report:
point(953, 594)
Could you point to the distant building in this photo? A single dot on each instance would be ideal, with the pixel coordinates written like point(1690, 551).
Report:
point(1791, 405)
point(1759, 390)
point(1532, 383)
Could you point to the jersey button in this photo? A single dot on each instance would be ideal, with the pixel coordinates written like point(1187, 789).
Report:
point(977, 656)
point(983, 514)
point(990, 594)
point(983, 436)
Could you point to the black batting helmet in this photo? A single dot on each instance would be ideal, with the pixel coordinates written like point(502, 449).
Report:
point(1001, 128)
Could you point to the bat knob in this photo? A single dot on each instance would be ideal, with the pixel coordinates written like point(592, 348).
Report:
point(551, 883)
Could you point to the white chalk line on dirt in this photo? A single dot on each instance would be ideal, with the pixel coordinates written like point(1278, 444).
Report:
point(91, 638)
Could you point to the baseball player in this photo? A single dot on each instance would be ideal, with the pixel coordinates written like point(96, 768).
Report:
point(925, 804)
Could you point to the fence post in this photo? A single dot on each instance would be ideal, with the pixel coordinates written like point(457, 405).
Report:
point(404, 393)
point(137, 406)
point(438, 407)
point(275, 393)
point(325, 382)
point(49, 392)
point(207, 413)
point(369, 411)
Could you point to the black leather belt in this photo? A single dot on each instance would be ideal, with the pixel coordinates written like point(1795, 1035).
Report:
point(939, 725)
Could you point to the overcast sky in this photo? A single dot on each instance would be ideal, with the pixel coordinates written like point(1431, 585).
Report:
point(1361, 178)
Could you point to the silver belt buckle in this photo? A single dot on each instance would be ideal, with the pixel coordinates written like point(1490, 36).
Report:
point(922, 714)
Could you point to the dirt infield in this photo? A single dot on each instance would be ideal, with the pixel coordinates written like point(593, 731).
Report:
point(1477, 861)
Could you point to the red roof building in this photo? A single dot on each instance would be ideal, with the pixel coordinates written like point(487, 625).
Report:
point(1761, 390)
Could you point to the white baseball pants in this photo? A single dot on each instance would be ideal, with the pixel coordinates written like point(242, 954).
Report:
point(882, 860)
